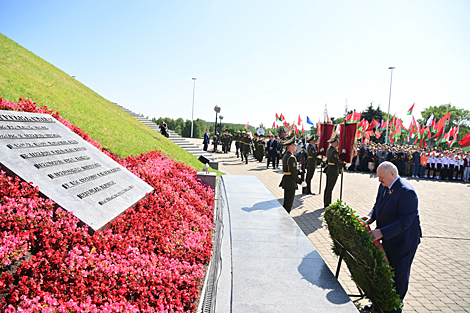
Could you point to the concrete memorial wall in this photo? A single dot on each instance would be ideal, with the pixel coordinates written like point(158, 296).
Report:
point(66, 168)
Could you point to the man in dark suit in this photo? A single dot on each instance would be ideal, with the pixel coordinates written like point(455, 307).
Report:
point(291, 174)
point(398, 225)
point(271, 149)
point(206, 140)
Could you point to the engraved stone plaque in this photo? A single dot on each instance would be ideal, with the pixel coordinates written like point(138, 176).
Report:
point(66, 168)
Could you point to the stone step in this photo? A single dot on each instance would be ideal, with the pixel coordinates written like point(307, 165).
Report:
point(174, 137)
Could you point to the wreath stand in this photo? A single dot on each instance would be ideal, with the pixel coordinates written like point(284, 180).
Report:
point(361, 294)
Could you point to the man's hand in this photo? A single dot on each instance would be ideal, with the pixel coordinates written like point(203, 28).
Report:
point(343, 151)
point(376, 234)
point(366, 219)
point(322, 149)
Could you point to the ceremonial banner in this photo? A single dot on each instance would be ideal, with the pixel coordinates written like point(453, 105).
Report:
point(326, 131)
point(347, 140)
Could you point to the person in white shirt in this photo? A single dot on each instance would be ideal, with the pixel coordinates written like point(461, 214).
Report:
point(466, 165)
point(431, 166)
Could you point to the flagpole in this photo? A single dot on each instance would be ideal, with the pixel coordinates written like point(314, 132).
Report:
point(389, 97)
point(323, 145)
point(344, 144)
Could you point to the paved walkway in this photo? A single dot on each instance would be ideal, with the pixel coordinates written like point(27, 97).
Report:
point(440, 275)
point(267, 259)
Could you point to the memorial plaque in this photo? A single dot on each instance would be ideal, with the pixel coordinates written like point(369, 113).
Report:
point(66, 168)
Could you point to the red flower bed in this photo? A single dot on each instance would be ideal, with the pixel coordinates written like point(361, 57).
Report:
point(150, 259)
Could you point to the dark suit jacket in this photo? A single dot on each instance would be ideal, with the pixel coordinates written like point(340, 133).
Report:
point(206, 138)
point(396, 213)
point(274, 145)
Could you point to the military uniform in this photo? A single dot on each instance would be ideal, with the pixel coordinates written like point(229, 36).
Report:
point(246, 147)
point(237, 138)
point(332, 171)
point(260, 149)
point(291, 177)
point(311, 165)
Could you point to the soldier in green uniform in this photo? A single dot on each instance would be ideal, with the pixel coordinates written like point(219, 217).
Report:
point(242, 144)
point(230, 140)
point(237, 138)
point(255, 146)
point(246, 147)
point(332, 169)
point(291, 174)
point(260, 148)
point(312, 154)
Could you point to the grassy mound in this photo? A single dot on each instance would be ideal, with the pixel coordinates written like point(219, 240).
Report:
point(23, 74)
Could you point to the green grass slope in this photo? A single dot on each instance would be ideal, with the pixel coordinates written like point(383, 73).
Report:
point(25, 75)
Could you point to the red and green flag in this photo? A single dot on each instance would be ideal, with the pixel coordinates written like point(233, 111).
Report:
point(410, 110)
point(465, 142)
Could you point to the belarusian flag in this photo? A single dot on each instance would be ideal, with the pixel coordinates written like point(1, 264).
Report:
point(299, 121)
point(274, 123)
point(277, 117)
point(353, 117)
point(465, 142)
point(281, 117)
point(410, 110)
point(246, 126)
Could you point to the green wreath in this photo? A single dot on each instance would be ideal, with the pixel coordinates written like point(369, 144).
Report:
point(370, 260)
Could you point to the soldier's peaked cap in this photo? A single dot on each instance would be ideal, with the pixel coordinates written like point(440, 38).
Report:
point(290, 142)
point(335, 138)
point(313, 137)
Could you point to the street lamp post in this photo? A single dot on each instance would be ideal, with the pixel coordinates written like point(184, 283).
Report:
point(216, 137)
point(389, 97)
point(220, 125)
point(192, 114)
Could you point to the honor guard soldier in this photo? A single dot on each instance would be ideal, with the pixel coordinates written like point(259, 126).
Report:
point(237, 139)
point(312, 161)
point(332, 169)
point(246, 147)
point(255, 146)
point(230, 139)
point(260, 148)
point(291, 174)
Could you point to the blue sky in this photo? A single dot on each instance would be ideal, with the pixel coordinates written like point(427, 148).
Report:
point(254, 58)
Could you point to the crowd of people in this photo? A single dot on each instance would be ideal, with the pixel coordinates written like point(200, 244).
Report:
point(415, 162)
point(411, 161)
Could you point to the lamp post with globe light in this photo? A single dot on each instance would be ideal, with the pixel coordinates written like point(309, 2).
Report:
point(215, 139)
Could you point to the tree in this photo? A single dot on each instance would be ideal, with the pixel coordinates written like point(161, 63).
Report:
point(458, 117)
point(370, 113)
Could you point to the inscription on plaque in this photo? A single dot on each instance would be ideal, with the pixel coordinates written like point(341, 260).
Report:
point(41, 144)
point(40, 154)
point(28, 136)
point(60, 162)
point(75, 174)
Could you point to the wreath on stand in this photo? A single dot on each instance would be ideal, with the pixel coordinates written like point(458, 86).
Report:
point(365, 258)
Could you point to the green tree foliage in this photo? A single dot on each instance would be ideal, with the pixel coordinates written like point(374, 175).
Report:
point(371, 113)
point(458, 117)
point(183, 128)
